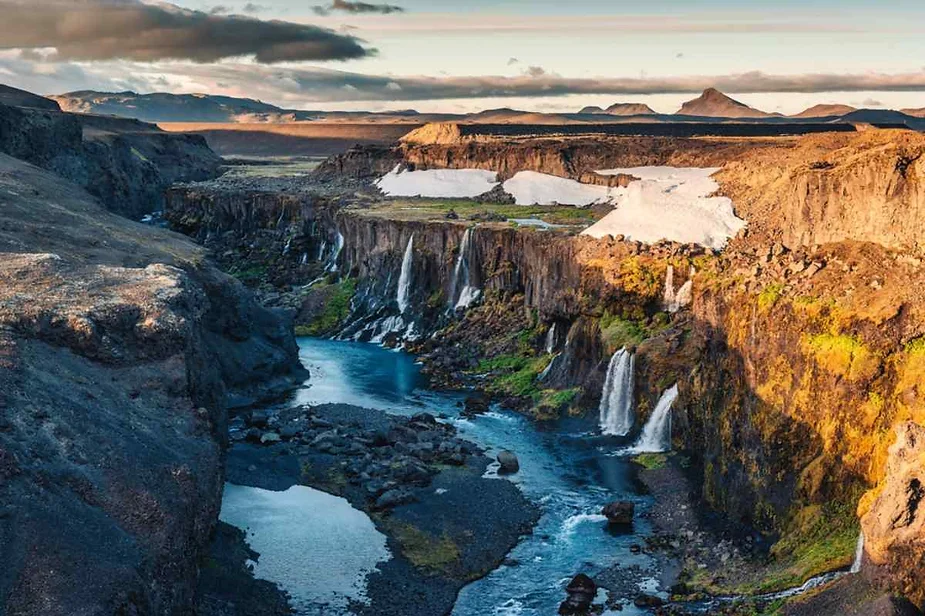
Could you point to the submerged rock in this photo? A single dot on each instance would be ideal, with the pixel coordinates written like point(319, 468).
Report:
point(509, 462)
point(619, 512)
point(581, 592)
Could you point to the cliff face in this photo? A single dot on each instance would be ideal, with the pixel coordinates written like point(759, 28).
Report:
point(125, 163)
point(120, 352)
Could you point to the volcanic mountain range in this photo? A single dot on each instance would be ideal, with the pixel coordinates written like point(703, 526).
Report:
point(712, 105)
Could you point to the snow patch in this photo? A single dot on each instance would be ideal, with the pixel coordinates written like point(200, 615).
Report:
point(437, 183)
point(670, 203)
point(533, 188)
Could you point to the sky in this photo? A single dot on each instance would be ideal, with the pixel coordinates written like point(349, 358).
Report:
point(444, 55)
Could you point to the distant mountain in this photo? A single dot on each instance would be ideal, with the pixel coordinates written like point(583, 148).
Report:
point(160, 107)
point(824, 111)
point(915, 113)
point(14, 97)
point(883, 117)
point(592, 109)
point(629, 109)
point(714, 104)
point(498, 116)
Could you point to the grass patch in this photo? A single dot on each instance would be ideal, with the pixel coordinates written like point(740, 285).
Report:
point(514, 375)
point(336, 309)
point(842, 355)
point(617, 332)
point(651, 461)
point(557, 398)
point(252, 274)
point(432, 554)
point(437, 209)
point(769, 296)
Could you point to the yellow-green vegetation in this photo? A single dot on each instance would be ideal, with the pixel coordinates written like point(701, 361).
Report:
point(618, 331)
point(433, 555)
point(557, 398)
point(254, 273)
point(514, 375)
point(642, 277)
point(769, 296)
point(842, 355)
point(433, 209)
point(336, 309)
point(651, 461)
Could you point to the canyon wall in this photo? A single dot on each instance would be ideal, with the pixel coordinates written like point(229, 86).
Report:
point(125, 163)
point(121, 350)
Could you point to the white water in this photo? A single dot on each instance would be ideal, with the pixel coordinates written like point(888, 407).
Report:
point(463, 293)
point(656, 435)
point(404, 280)
point(858, 555)
point(534, 188)
point(300, 535)
point(338, 247)
point(551, 339)
point(616, 410)
point(672, 300)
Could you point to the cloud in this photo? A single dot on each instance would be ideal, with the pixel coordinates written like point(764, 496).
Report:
point(512, 61)
point(357, 7)
point(871, 102)
point(87, 30)
point(536, 71)
point(252, 8)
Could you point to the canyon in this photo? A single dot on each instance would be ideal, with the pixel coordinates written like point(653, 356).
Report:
point(773, 374)
point(795, 357)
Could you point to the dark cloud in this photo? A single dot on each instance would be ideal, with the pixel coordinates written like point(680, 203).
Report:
point(357, 8)
point(219, 10)
point(252, 8)
point(512, 61)
point(128, 29)
point(536, 71)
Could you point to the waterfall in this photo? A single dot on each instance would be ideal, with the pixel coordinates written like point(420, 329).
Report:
point(338, 247)
point(404, 280)
point(617, 398)
point(321, 249)
point(673, 301)
point(462, 293)
point(551, 339)
point(656, 435)
point(858, 555)
point(304, 259)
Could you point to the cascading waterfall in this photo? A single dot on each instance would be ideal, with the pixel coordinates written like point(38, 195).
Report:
point(616, 410)
point(672, 300)
point(551, 339)
point(338, 247)
point(858, 555)
point(463, 294)
point(656, 435)
point(404, 280)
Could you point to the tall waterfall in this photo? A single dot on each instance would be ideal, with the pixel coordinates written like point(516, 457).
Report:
point(404, 280)
point(462, 293)
point(672, 300)
point(656, 435)
point(338, 247)
point(551, 339)
point(858, 555)
point(616, 408)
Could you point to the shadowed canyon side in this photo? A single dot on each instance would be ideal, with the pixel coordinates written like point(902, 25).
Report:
point(122, 350)
point(794, 353)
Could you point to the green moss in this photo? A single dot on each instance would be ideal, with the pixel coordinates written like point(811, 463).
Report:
point(617, 332)
point(651, 461)
point(336, 310)
point(252, 274)
point(433, 555)
point(513, 375)
point(438, 208)
point(769, 296)
point(557, 398)
point(843, 355)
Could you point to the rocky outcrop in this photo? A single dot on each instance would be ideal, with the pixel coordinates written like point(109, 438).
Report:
point(125, 163)
point(120, 352)
point(894, 524)
point(867, 187)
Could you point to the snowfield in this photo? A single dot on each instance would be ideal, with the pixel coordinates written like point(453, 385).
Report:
point(670, 203)
point(532, 188)
point(438, 183)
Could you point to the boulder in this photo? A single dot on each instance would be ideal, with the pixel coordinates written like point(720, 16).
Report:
point(269, 438)
point(393, 498)
point(476, 404)
point(509, 462)
point(581, 592)
point(257, 419)
point(619, 512)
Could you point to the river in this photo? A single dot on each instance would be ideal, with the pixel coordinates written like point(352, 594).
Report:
point(565, 469)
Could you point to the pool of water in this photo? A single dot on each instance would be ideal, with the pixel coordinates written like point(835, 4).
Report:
point(565, 469)
point(300, 535)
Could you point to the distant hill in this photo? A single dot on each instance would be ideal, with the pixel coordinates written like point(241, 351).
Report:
point(883, 117)
point(825, 111)
point(591, 109)
point(915, 113)
point(629, 109)
point(714, 104)
point(20, 98)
